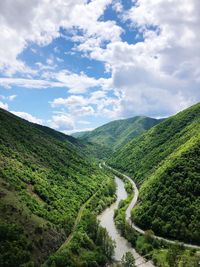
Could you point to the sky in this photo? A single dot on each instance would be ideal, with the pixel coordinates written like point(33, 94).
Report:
point(73, 65)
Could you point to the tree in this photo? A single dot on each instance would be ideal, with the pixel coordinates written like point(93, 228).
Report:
point(107, 244)
point(128, 260)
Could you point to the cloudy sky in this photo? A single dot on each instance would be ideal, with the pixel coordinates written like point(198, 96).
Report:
point(76, 64)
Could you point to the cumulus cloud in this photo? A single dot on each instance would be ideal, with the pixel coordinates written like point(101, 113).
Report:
point(161, 74)
point(41, 23)
point(79, 100)
point(62, 122)
point(73, 100)
point(83, 111)
point(79, 83)
point(157, 76)
point(97, 103)
point(27, 116)
point(117, 6)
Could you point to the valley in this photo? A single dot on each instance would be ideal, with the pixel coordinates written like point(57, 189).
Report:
point(113, 135)
point(55, 188)
point(100, 133)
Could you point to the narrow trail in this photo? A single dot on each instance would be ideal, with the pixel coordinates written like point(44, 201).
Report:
point(132, 205)
point(78, 218)
point(77, 221)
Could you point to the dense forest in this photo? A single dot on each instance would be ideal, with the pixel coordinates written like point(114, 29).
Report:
point(45, 178)
point(52, 189)
point(160, 252)
point(90, 245)
point(166, 164)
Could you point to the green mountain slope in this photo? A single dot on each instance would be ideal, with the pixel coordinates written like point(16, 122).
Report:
point(115, 134)
point(44, 180)
point(80, 134)
point(165, 161)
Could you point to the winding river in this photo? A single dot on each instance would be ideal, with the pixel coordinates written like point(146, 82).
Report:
point(106, 220)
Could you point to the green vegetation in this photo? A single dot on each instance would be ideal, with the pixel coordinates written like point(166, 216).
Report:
point(80, 134)
point(14, 246)
point(51, 191)
point(128, 260)
point(161, 253)
point(115, 134)
point(44, 180)
point(90, 245)
point(166, 162)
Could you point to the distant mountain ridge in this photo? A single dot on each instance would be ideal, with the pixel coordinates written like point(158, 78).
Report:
point(115, 134)
point(80, 134)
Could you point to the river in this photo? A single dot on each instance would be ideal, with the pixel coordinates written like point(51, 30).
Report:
point(107, 221)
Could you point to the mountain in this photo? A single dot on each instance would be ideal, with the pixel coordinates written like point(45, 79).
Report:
point(45, 177)
point(80, 134)
point(115, 134)
point(165, 162)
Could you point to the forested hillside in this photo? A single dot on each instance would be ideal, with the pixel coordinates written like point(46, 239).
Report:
point(44, 180)
point(115, 134)
point(165, 161)
point(80, 134)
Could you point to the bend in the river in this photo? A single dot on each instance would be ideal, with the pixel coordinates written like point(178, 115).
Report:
point(132, 205)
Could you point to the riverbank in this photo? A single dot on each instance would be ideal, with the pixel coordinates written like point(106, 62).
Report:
point(132, 205)
point(162, 253)
point(106, 219)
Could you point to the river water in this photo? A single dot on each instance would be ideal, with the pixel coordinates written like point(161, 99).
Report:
point(107, 221)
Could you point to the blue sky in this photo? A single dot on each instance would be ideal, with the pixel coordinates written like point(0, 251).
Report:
point(78, 64)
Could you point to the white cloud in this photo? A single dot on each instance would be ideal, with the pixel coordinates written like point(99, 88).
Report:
point(56, 50)
point(157, 76)
point(3, 105)
point(96, 31)
point(117, 6)
point(98, 103)
point(43, 67)
point(27, 116)
point(29, 83)
point(160, 75)
point(62, 122)
point(76, 83)
point(41, 23)
point(73, 100)
point(60, 60)
point(83, 111)
point(12, 97)
point(79, 100)
point(50, 60)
